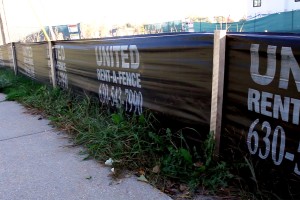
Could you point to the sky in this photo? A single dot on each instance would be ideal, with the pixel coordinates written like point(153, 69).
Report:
point(26, 16)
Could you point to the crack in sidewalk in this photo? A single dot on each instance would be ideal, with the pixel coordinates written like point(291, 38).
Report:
point(1, 140)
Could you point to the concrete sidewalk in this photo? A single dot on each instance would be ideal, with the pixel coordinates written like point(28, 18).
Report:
point(36, 164)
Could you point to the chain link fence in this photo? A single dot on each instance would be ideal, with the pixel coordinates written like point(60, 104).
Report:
point(276, 22)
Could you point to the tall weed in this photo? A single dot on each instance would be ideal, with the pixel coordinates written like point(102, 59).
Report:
point(133, 142)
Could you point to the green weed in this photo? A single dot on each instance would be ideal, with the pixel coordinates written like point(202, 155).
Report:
point(133, 142)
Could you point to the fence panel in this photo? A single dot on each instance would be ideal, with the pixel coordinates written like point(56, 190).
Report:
point(262, 103)
point(171, 74)
point(6, 59)
point(33, 60)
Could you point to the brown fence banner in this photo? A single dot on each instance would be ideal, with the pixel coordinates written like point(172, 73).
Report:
point(262, 103)
point(6, 59)
point(171, 73)
point(33, 60)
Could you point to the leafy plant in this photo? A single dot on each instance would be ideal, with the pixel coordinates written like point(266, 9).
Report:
point(195, 168)
point(133, 142)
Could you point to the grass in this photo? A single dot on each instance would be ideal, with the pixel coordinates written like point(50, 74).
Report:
point(136, 143)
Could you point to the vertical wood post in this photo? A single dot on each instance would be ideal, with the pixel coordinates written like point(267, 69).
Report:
point(13, 51)
point(2, 31)
point(52, 63)
point(217, 86)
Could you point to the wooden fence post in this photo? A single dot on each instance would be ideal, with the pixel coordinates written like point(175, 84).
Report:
point(217, 87)
point(52, 63)
point(13, 51)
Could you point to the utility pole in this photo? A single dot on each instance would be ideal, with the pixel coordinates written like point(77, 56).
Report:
point(2, 30)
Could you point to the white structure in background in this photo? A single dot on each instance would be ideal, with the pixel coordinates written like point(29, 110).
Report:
point(261, 7)
point(188, 25)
